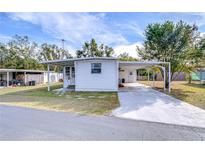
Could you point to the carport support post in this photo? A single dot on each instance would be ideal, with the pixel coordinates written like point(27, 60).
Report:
point(169, 77)
point(7, 78)
point(25, 78)
point(153, 78)
point(148, 74)
point(48, 77)
point(164, 69)
point(64, 77)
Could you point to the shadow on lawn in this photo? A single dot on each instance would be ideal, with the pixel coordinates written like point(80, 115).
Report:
point(177, 93)
point(195, 85)
point(33, 91)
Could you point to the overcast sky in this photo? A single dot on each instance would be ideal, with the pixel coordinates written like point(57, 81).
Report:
point(122, 31)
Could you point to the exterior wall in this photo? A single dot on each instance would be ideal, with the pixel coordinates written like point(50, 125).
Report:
point(129, 74)
point(54, 77)
point(38, 78)
point(107, 80)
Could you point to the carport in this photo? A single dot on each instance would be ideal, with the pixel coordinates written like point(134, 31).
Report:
point(7, 76)
point(127, 70)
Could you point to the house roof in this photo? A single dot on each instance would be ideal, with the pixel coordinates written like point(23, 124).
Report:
point(21, 70)
point(70, 61)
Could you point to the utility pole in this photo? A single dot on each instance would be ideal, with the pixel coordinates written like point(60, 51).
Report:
point(63, 43)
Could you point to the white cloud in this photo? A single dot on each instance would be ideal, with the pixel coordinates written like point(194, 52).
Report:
point(73, 27)
point(202, 34)
point(135, 28)
point(4, 38)
point(130, 49)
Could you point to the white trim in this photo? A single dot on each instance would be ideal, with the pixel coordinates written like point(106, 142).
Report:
point(64, 77)
point(48, 67)
point(117, 65)
point(169, 77)
point(164, 69)
point(142, 62)
point(7, 78)
point(77, 59)
point(21, 70)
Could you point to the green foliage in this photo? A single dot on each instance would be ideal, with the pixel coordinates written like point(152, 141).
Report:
point(125, 57)
point(91, 49)
point(52, 52)
point(177, 43)
point(19, 53)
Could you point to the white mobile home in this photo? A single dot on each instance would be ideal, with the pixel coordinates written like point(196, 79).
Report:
point(99, 73)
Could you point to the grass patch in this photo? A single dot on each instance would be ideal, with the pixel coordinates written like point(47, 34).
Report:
point(193, 93)
point(97, 103)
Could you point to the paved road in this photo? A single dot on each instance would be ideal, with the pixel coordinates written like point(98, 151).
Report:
point(18, 123)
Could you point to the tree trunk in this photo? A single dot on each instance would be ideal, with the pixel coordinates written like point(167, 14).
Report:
point(189, 78)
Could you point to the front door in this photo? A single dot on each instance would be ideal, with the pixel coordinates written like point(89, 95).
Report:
point(69, 76)
point(131, 77)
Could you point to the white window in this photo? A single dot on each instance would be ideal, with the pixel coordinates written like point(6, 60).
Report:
point(73, 72)
point(95, 68)
point(67, 72)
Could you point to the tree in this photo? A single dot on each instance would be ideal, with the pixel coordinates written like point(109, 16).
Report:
point(91, 49)
point(125, 57)
point(172, 43)
point(195, 58)
point(19, 53)
point(52, 52)
point(3, 55)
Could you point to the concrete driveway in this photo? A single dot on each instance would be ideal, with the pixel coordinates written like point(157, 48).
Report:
point(140, 102)
point(17, 123)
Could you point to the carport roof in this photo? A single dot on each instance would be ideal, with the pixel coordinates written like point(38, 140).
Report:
point(21, 70)
point(140, 64)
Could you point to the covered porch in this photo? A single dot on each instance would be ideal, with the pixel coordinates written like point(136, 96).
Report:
point(68, 69)
point(128, 73)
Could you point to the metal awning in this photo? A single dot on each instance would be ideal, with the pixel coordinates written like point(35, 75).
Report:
point(141, 64)
point(21, 70)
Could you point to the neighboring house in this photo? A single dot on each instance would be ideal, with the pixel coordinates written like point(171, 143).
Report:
point(199, 75)
point(15, 77)
point(99, 73)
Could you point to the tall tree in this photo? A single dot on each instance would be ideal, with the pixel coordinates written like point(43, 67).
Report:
point(91, 49)
point(172, 43)
point(3, 55)
point(126, 57)
point(20, 53)
point(52, 52)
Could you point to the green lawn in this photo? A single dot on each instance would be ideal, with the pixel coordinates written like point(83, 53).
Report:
point(79, 102)
point(193, 93)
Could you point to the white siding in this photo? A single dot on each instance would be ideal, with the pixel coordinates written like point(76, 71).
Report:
point(107, 80)
point(125, 74)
